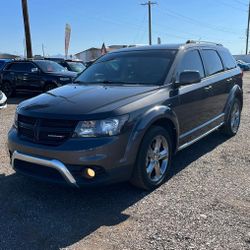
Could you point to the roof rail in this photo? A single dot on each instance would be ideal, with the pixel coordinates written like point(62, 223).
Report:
point(193, 41)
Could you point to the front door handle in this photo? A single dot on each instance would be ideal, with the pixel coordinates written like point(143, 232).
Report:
point(208, 87)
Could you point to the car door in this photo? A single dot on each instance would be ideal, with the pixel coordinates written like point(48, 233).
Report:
point(218, 81)
point(191, 111)
point(28, 76)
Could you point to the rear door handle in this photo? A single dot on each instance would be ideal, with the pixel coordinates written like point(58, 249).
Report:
point(229, 79)
point(208, 87)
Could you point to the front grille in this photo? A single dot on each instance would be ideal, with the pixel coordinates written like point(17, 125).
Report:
point(38, 170)
point(45, 131)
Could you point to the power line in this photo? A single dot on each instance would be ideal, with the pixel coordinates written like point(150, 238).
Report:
point(149, 4)
point(194, 21)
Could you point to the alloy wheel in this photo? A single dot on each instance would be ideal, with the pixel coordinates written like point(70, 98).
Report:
point(157, 158)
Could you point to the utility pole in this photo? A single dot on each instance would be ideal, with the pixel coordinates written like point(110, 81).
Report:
point(248, 22)
point(149, 4)
point(43, 50)
point(27, 28)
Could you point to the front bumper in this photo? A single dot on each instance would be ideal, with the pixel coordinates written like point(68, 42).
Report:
point(65, 163)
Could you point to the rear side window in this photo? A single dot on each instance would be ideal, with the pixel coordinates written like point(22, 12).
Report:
point(14, 67)
point(228, 60)
point(212, 62)
point(192, 62)
point(21, 67)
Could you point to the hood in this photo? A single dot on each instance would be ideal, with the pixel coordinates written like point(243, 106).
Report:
point(64, 74)
point(83, 101)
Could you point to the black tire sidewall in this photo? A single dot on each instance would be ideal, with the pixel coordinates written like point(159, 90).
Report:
point(228, 128)
point(141, 161)
point(8, 94)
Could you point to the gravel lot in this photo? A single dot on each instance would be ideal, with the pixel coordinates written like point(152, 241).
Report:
point(205, 205)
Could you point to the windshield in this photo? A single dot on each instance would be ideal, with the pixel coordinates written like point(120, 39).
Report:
point(135, 67)
point(50, 66)
point(76, 66)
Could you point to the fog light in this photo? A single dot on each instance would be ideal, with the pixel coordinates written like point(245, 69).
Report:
point(89, 173)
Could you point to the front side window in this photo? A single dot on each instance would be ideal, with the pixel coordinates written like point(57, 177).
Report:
point(212, 61)
point(192, 62)
point(135, 67)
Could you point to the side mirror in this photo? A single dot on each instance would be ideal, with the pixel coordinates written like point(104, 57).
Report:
point(189, 77)
point(34, 70)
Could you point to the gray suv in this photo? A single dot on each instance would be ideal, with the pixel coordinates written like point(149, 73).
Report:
point(127, 114)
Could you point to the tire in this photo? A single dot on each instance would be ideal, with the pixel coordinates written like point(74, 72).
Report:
point(232, 123)
point(49, 87)
point(8, 89)
point(150, 171)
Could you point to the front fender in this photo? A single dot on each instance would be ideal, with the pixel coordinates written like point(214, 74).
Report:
point(144, 122)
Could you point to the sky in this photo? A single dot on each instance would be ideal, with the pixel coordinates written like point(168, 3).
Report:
point(121, 22)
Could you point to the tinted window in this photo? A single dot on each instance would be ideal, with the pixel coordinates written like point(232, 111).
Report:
point(26, 67)
point(21, 67)
point(135, 67)
point(192, 62)
point(228, 60)
point(50, 66)
point(212, 61)
point(14, 67)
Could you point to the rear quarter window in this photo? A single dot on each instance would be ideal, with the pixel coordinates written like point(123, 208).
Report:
point(228, 60)
point(212, 62)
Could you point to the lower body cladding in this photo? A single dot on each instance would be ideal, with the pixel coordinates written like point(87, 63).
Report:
point(86, 162)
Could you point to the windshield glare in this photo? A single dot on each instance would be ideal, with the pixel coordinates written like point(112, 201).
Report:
point(136, 67)
point(76, 66)
point(50, 66)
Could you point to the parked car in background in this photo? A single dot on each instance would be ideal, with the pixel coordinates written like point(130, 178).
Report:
point(127, 115)
point(33, 76)
point(3, 100)
point(71, 65)
point(3, 62)
point(243, 65)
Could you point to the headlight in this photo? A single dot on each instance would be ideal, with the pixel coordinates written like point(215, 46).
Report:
point(107, 127)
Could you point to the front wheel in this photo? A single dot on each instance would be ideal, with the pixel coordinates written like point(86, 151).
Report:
point(232, 124)
point(8, 89)
point(154, 159)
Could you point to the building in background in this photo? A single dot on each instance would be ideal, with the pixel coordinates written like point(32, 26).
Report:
point(93, 53)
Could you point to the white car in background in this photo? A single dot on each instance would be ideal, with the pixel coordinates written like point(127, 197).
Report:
point(3, 100)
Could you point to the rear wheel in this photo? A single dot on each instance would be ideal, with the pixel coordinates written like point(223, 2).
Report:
point(154, 159)
point(7, 89)
point(232, 124)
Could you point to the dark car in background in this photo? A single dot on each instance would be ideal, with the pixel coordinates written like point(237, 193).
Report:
point(127, 115)
point(33, 76)
point(71, 65)
point(243, 65)
point(3, 62)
